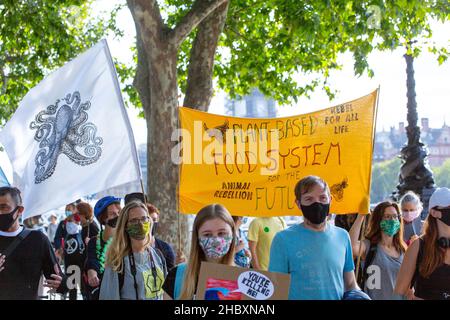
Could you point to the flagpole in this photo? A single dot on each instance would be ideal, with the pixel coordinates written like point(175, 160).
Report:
point(360, 248)
point(375, 115)
point(142, 188)
point(124, 111)
point(178, 194)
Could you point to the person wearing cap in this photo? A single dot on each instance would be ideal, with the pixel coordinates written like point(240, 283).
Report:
point(426, 265)
point(106, 212)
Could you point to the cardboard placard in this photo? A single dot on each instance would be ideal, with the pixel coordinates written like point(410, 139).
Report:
point(223, 282)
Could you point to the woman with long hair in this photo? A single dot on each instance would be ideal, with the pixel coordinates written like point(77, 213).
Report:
point(134, 270)
point(382, 250)
point(212, 241)
point(426, 266)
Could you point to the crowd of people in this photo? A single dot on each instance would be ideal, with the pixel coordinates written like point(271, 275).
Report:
point(119, 255)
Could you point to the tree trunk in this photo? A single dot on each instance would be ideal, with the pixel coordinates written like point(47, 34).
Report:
point(415, 173)
point(156, 83)
point(199, 89)
point(163, 175)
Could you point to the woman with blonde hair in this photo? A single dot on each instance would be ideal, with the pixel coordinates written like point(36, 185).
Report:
point(382, 251)
point(213, 241)
point(134, 270)
point(426, 266)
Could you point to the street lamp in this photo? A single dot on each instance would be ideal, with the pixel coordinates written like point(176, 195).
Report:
point(415, 172)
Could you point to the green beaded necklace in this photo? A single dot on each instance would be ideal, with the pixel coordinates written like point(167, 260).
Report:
point(101, 252)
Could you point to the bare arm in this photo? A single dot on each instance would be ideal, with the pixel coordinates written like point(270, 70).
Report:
point(350, 281)
point(240, 246)
point(407, 269)
point(255, 262)
point(358, 247)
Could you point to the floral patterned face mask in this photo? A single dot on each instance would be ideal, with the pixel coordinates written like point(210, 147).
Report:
point(215, 247)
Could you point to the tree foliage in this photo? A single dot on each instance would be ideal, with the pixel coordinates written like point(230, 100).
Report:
point(442, 174)
point(37, 37)
point(384, 179)
point(266, 44)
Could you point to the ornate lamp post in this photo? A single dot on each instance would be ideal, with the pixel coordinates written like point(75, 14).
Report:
point(415, 173)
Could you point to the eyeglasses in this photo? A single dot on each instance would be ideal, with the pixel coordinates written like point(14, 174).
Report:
point(390, 217)
point(139, 220)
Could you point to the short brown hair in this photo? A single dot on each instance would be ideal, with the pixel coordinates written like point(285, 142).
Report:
point(85, 210)
point(13, 192)
point(307, 183)
point(152, 209)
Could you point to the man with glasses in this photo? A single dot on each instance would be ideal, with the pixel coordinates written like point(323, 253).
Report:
point(24, 254)
point(316, 254)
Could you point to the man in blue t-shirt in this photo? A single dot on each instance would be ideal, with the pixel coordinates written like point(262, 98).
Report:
point(316, 254)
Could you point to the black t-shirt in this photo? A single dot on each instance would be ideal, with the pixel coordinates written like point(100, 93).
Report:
point(74, 250)
point(167, 251)
point(33, 257)
point(92, 228)
point(169, 282)
point(437, 285)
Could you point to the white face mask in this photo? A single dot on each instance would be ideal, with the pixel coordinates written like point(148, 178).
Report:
point(409, 216)
point(73, 228)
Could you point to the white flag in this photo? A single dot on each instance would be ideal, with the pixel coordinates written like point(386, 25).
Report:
point(71, 135)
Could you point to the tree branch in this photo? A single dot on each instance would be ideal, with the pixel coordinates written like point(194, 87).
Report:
point(200, 10)
point(148, 19)
point(199, 88)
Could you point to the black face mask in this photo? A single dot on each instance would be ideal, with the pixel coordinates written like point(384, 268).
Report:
point(112, 222)
point(7, 220)
point(155, 226)
point(445, 218)
point(316, 213)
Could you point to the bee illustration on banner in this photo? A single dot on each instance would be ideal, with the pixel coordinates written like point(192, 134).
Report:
point(218, 132)
point(337, 190)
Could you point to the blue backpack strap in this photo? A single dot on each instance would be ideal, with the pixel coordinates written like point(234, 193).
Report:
point(179, 278)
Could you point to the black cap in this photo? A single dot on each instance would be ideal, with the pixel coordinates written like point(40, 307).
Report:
point(135, 196)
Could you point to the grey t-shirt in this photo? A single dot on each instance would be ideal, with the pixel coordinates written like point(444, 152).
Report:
point(149, 287)
point(382, 274)
point(412, 228)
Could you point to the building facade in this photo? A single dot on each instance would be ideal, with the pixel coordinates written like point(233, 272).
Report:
point(389, 143)
point(254, 105)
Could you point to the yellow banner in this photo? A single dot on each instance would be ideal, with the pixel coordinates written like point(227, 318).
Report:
point(251, 166)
